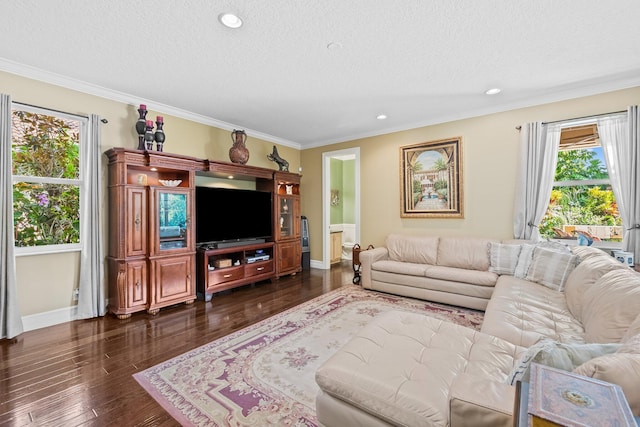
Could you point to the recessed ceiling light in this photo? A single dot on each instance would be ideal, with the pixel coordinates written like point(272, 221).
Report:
point(230, 20)
point(230, 177)
point(381, 116)
point(493, 91)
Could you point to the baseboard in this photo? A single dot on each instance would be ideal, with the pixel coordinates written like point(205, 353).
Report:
point(316, 264)
point(49, 318)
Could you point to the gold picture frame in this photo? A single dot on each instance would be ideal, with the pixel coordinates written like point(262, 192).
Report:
point(431, 179)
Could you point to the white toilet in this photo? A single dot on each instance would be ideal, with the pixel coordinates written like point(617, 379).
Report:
point(348, 240)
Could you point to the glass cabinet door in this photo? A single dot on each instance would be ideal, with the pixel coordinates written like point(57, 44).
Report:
point(286, 217)
point(173, 220)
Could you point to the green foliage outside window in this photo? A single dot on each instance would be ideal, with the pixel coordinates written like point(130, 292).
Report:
point(582, 204)
point(45, 147)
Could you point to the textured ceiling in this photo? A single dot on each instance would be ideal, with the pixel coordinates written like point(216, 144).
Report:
point(419, 62)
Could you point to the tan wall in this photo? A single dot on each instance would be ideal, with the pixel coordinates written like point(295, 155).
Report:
point(489, 155)
point(489, 152)
point(46, 282)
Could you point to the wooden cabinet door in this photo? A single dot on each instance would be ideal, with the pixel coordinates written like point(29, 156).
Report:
point(289, 257)
point(296, 217)
point(172, 280)
point(136, 222)
point(136, 283)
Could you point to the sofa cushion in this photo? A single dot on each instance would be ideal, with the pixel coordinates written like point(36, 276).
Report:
point(587, 252)
point(634, 329)
point(416, 249)
point(475, 401)
point(474, 277)
point(551, 267)
point(408, 268)
point(632, 345)
point(400, 366)
point(503, 258)
point(584, 276)
point(523, 312)
point(621, 368)
point(464, 252)
point(611, 305)
point(414, 287)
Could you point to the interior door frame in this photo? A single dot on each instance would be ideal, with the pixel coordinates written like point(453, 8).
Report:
point(326, 199)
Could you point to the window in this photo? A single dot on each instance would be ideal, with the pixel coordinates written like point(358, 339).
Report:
point(47, 176)
point(582, 204)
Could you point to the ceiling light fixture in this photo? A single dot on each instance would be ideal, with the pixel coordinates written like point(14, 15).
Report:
point(381, 116)
point(230, 20)
point(493, 91)
point(334, 46)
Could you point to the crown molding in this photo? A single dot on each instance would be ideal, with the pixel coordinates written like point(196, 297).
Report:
point(569, 91)
point(34, 73)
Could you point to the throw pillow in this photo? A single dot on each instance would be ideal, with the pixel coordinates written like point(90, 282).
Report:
point(554, 246)
point(565, 356)
point(520, 371)
point(619, 368)
point(503, 258)
point(551, 268)
point(524, 260)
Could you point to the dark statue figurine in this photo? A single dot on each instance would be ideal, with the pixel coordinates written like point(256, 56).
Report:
point(275, 157)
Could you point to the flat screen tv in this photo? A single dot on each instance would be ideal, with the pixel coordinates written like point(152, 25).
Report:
point(225, 214)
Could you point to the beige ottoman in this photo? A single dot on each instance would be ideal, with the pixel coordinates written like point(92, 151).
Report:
point(400, 369)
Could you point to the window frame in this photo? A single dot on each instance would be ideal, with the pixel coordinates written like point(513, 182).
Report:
point(80, 182)
point(586, 182)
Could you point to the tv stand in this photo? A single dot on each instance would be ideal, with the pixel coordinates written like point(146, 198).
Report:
point(225, 268)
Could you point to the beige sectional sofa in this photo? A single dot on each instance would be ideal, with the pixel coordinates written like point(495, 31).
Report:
point(450, 270)
point(575, 309)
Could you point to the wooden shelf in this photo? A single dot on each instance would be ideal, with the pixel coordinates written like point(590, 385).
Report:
point(242, 271)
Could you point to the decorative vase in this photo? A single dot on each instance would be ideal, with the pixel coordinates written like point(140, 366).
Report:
point(148, 136)
point(238, 153)
point(141, 125)
point(159, 136)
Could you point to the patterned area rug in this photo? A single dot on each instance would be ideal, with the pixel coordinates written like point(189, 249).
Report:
point(265, 374)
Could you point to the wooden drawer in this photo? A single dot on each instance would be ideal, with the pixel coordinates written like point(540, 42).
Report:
point(222, 275)
point(256, 268)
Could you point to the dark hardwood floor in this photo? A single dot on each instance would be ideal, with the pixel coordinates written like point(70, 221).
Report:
point(80, 373)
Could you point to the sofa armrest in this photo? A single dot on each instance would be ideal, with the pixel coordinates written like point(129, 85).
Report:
point(475, 401)
point(367, 258)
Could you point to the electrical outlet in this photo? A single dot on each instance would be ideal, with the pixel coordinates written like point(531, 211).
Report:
point(76, 294)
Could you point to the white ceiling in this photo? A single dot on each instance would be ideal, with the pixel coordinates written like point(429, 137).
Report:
point(419, 62)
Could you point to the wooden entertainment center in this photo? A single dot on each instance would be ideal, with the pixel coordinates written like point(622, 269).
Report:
point(153, 260)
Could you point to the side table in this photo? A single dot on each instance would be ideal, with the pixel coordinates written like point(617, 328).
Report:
point(560, 398)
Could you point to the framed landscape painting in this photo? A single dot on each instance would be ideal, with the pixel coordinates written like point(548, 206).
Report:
point(431, 179)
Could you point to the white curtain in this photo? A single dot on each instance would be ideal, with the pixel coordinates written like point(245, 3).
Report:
point(10, 319)
point(536, 170)
point(91, 300)
point(620, 140)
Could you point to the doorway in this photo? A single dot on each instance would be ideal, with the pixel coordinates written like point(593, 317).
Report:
point(344, 196)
